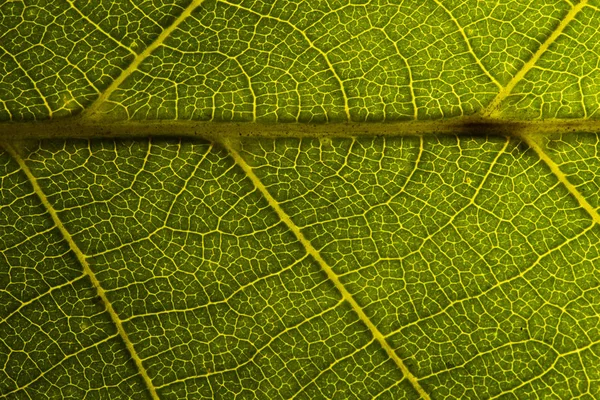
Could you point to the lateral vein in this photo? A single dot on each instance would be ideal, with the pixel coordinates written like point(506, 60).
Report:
point(491, 110)
point(92, 110)
point(533, 143)
point(86, 267)
point(333, 277)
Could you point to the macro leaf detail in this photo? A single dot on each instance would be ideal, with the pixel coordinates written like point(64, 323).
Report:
point(293, 199)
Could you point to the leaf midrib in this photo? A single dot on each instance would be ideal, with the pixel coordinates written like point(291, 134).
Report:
point(79, 128)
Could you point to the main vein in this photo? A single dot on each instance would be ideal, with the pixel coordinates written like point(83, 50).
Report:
point(71, 128)
point(86, 267)
point(491, 110)
point(333, 277)
point(95, 106)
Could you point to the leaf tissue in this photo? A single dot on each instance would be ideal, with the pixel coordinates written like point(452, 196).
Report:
point(299, 199)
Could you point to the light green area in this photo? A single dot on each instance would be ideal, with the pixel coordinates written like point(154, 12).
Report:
point(341, 261)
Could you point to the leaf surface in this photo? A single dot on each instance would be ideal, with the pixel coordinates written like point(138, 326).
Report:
point(219, 199)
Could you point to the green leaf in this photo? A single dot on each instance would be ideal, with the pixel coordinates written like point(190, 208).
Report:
point(291, 199)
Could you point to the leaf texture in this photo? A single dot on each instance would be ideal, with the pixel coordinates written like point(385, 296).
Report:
point(310, 265)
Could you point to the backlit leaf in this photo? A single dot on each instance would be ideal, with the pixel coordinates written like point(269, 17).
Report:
point(299, 199)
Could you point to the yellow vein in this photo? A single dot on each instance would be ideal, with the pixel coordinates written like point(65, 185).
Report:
point(333, 277)
point(469, 48)
point(411, 86)
point(411, 81)
point(33, 81)
point(93, 109)
point(99, 28)
point(533, 142)
point(310, 43)
point(40, 296)
point(86, 267)
point(492, 109)
point(4, 106)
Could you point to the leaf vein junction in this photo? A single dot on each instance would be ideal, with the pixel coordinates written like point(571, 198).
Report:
point(491, 111)
point(94, 107)
point(333, 277)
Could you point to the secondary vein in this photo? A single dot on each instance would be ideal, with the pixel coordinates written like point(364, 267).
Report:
point(533, 142)
point(85, 265)
point(491, 111)
point(333, 277)
point(93, 109)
